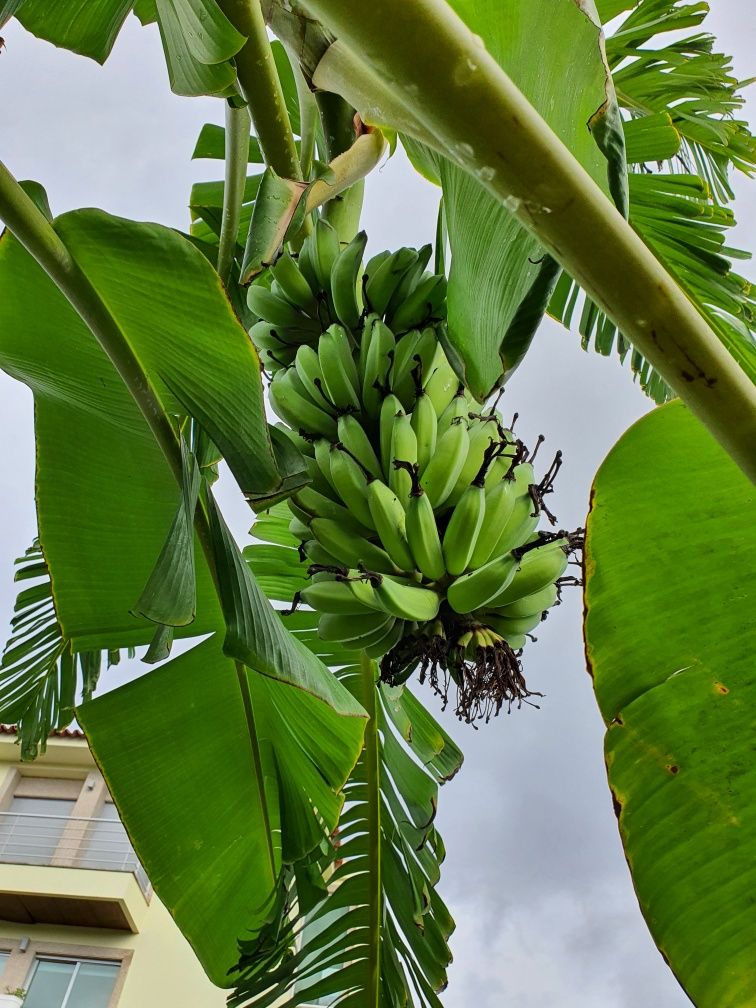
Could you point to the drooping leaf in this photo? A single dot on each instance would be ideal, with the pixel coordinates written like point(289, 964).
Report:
point(211, 143)
point(188, 74)
point(254, 634)
point(105, 496)
point(89, 29)
point(170, 596)
point(210, 37)
point(212, 842)
point(39, 674)
point(671, 636)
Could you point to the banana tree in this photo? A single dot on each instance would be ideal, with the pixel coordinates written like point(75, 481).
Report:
point(395, 503)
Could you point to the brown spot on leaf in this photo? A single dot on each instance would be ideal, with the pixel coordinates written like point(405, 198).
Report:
point(687, 376)
point(721, 688)
point(673, 769)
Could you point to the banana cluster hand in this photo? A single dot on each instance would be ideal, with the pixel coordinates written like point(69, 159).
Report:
point(422, 517)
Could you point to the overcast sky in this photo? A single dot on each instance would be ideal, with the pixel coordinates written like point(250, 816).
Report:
point(535, 874)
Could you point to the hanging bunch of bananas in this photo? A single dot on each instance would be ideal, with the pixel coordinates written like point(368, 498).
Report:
point(421, 521)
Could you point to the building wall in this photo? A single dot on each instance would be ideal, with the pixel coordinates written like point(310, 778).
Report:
point(159, 969)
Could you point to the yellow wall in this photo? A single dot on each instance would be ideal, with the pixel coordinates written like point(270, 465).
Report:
point(161, 970)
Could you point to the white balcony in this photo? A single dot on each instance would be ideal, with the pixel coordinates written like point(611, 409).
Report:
point(59, 869)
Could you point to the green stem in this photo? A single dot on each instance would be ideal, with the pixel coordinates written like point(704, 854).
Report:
point(373, 780)
point(37, 235)
point(529, 170)
point(261, 87)
point(339, 134)
point(308, 115)
point(237, 151)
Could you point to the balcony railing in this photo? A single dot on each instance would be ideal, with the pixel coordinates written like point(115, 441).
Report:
point(68, 842)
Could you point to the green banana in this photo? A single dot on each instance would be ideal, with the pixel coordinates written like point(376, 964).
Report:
point(402, 383)
point(350, 481)
point(530, 605)
point(508, 626)
point(409, 281)
point(278, 311)
point(350, 549)
point(422, 535)
point(338, 367)
point(309, 372)
point(306, 263)
point(362, 589)
point(463, 529)
point(523, 518)
point(481, 586)
point(537, 569)
point(404, 448)
point(329, 596)
point(357, 443)
point(440, 381)
point(300, 530)
point(323, 458)
point(425, 426)
point(405, 601)
point(442, 472)
point(390, 638)
point(500, 501)
point(347, 299)
point(267, 337)
point(390, 523)
point(315, 552)
point(325, 251)
point(481, 437)
point(376, 364)
point(390, 408)
point(414, 354)
point(294, 286)
point(421, 305)
point(350, 628)
point(457, 410)
point(316, 505)
point(296, 409)
point(319, 482)
point(381, 283)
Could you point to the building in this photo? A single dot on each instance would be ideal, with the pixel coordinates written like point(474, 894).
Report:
point(79, 924)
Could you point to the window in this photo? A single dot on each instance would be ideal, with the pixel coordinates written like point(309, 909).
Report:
point(71, 983)
point(4, 956)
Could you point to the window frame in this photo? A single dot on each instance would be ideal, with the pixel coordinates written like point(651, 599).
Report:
point(19, 969)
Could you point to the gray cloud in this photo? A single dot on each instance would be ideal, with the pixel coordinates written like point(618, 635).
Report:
point(535, 874)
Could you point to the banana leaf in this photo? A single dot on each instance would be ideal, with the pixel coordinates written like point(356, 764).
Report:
point(670, 631)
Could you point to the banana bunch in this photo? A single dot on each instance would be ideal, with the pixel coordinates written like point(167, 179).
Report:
point(421, 520)
point(297, 299)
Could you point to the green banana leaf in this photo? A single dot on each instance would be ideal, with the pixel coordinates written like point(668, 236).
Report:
point(670, 634)
point(199, 43)
point(214, 806)
point(374, 931)
point(89, 29)
point(495, 262)
point(40, 676)
point(105, 496)
point(681, 102)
